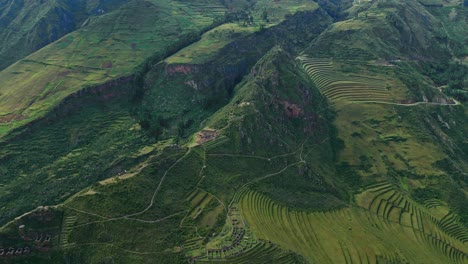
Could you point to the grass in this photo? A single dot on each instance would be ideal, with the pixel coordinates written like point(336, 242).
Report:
point(452, 18)
point(436, 220)
point(277, 11)
point(374, 31)
point(178, 193)
point(110, 46)
point(217, 38)
point(261, 253)
point(290, 179)
point(391, 136)
point(211, 43)
point(336, 85)
point(314, 235)
point(93, 140)
point(181, 96)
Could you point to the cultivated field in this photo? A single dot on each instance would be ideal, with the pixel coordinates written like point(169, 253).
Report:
point(338, 86)
point(366, 235)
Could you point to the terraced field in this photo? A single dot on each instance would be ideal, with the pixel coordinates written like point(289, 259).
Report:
point(66, 230)
point(263, 252)
point(204, 208)
point(277, 10)
point(233, 241)
point(444, 233)
point(390, 228)
point(200, 10)
point(338, 86)
point(212, 8)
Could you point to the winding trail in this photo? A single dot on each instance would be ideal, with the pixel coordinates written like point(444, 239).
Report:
point(301, 160)
point(129, 216)
point(400, 104)
point(252, 156)
point(123, 249)
point(159, 186)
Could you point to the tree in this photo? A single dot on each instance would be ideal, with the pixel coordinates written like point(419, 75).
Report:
point(265, 15)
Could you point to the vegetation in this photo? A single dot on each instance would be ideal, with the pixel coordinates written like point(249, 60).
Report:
point(316, 233)
point(236, 131)
point(28, 26)
point(105, 48)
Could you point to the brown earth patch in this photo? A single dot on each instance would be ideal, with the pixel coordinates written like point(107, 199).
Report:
point(408, 101)
point(206, 135)
point(63, 73)
point(107, 65)
point(185, 69)
point(10, 117)
point(292, 110)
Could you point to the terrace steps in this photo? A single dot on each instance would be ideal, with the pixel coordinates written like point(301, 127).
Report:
point(337, 86)
point(67, 227)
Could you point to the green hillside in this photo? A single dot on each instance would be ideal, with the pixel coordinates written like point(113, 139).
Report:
point(105, 48)
point(234, 131)
point(27, 26)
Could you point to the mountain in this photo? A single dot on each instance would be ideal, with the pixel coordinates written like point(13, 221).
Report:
point(27, 26)
point(234, 131)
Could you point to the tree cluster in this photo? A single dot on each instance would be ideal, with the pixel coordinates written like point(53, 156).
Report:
point(242, 16)
point(451, 75)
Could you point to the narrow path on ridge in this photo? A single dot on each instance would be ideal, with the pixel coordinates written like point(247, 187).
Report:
point(128, 216)
point(301, 149)
point(411, 104)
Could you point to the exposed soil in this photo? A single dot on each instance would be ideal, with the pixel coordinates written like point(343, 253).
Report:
point(10, 117)
point(206, 135)
point(292, 110)
point(184, 69)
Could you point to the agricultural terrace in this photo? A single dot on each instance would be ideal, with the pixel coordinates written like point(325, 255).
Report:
point(235, 239)
point(338, 86)
point(433, 218)
point(367, 235)
point(202, 9)
point(263, 252)
point(277, 10)
point(271, 11)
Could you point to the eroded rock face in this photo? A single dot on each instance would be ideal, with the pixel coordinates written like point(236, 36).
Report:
point(174, 69)
point(291, 110)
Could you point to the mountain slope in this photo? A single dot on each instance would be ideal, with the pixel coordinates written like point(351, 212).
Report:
point(107, 47)
point(241, 132)
point(27, 26)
